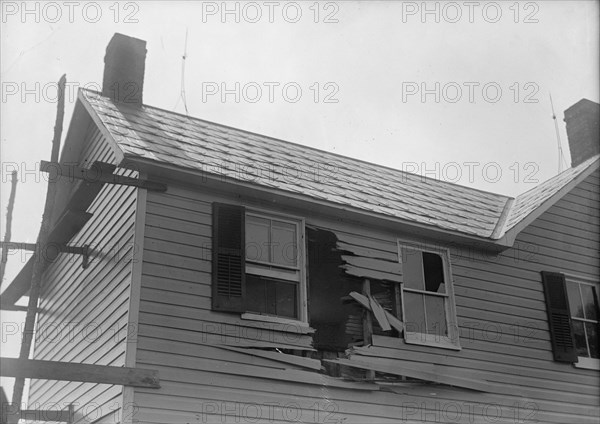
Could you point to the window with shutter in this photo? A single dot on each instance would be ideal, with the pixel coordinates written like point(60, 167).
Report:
point(258, 264)
point(584, 312)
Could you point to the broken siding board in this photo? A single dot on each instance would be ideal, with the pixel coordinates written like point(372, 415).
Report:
point(374, 264)
point(367, 252)
point(298, 361)
point(206, 332)
point(215, 351)
point(369, 273)
point(187, 365)
point(511, 374)
point(410, 370)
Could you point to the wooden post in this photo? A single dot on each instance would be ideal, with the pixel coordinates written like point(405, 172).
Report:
point(38, 267)
point(367, 325)
point(7, 232)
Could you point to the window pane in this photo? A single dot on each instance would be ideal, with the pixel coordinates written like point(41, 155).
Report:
point(415, 315)
point(436, 316)
point(256, 294)
point(592, 334)
point(272, 297)
point(574, 300)
point(433, 267)
point(412, 267)
point(257, 238)
point(285, 246)
point(287, 303)
point(588, 301)
point(580, 343)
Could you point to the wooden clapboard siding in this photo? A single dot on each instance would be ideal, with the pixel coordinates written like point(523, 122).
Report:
point(90, 306)
point(500, 308)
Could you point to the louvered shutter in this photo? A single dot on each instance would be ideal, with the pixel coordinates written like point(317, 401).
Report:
point(559, 317)
point(228, 273)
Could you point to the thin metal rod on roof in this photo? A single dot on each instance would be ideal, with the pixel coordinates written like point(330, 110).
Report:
point(38, 267)
point(8, 232)
point(182, 91)
point(561, 156)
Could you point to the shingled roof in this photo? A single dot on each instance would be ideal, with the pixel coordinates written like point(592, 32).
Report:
point(165, 137)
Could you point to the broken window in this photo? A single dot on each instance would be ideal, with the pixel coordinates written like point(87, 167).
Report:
point(427, 297)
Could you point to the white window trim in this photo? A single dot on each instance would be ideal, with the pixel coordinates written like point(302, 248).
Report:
point(587, 363)
point(434, 340)
point(302, 320)
point(584, 362)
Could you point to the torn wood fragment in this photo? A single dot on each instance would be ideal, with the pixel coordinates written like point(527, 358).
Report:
point(379, 313)
point(392, 320)
point(300, 361)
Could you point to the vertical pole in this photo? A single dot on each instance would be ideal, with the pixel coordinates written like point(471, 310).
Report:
point(367, 325)
point(7, 232)
point(38, 257)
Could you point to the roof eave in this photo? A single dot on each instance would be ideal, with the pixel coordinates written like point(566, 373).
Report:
point(188, 176)
point(510, 236)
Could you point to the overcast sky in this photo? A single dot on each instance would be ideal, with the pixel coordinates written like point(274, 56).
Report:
point(457, 90)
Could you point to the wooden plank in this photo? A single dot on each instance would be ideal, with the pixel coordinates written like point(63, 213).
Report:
point(87, 373)
point(369, 273)
point(409, 370)
point(367, 252)
point(374, 264)
point(99, 173)
point(68, 225)
point(364, 301)
point(379, 314)
point(309, 363)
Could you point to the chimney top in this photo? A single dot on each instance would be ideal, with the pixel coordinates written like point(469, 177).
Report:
point(124, 65)
point(583, 130)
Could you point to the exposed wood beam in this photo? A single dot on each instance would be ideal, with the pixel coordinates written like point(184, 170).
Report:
point(99, 173)
point(64, 229)
point(85, 373)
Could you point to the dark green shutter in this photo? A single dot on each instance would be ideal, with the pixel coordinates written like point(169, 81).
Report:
point(559, 317)
point(228, 273)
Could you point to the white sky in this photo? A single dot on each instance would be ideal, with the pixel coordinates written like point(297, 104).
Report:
point(370, 53)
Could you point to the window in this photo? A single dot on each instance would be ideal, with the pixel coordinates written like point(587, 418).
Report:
point(572, 307)
point(258, 264)
point(583, 306)
point(273, 274)
point(427, 297)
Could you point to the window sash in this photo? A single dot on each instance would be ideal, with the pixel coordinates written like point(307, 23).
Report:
point(451, 341)
point(288, 273)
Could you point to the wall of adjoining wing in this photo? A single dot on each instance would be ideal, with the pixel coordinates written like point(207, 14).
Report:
point(84, 312)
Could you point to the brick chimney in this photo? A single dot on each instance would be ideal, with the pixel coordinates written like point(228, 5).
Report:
point(124, 65)
point(582, 129)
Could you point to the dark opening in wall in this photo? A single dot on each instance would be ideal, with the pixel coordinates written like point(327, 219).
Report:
point(327, 285)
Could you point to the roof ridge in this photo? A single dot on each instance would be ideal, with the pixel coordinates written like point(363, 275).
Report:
point(425, 178)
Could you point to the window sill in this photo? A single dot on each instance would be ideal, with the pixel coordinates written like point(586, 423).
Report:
point(587, 363)
point(292, 325)
point(431, 340)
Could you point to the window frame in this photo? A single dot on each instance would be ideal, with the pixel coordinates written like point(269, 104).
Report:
point(452, 340)
point(254, 268)
point(583, 361)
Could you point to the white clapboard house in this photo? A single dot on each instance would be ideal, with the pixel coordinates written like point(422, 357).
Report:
point(255, 280)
